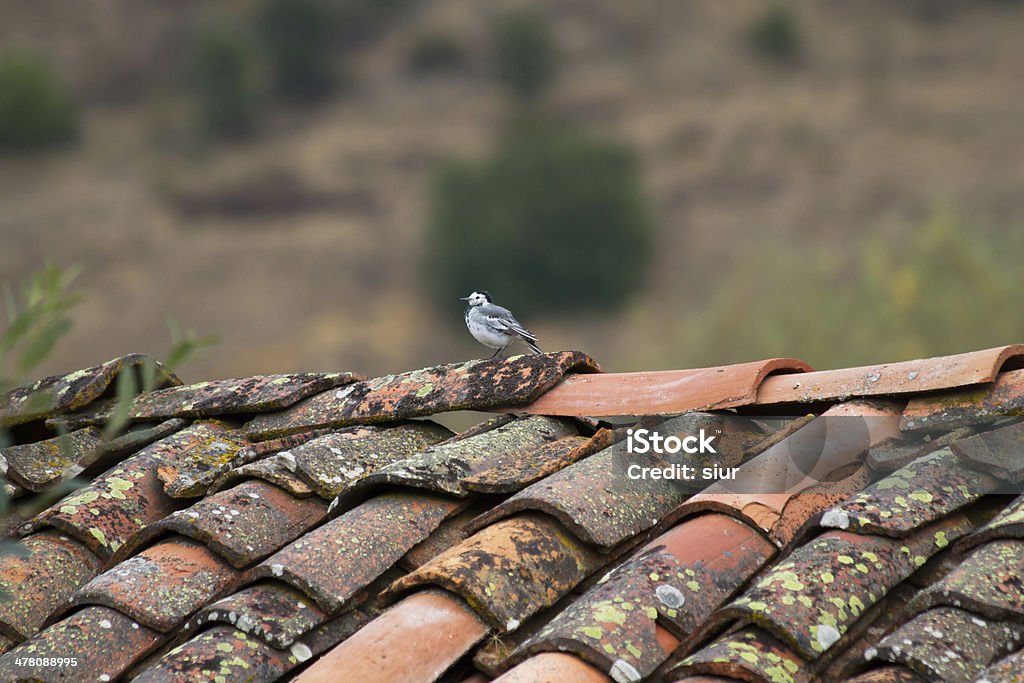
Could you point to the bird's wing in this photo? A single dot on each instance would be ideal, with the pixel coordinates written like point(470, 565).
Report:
point(502, 320)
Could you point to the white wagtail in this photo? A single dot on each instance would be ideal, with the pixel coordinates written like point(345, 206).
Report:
point(493, 326)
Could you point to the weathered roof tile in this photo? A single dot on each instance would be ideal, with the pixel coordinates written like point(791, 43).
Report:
point(987, 582)
point(333, 563)
point(750, 654)
point(445, 467)
point(271, 611)
point(242, 524)
point(917, 494)
point(43, 463)
point(678, 587)
point(161, 586)
point(964, 408)
point(997, 451)
point(63, 393)
point(948, 644)
point(118, 504)
point(221, 653)
point(51, 568)
point(812, 598)
point(103, 643)
point(510, 570)
point(193, 469)
point(474, 385)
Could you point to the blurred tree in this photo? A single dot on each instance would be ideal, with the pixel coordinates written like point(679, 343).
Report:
point(298, 35)
point(524, 54)
point(555, 221)
point(436, 52)
point(223, 76)
point(35, 109)
point(776, 35)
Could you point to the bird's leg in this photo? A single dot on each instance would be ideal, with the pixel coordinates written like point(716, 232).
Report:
point(495, 354)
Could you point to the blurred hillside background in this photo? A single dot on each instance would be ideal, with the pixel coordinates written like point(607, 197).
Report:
point(660, 183)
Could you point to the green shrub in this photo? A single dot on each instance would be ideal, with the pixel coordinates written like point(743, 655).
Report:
point(35, 109)
point(555, 221)
point(436, 52)
point(524, 54)
point(223, 76)
point(297, 35)
point(776, 35)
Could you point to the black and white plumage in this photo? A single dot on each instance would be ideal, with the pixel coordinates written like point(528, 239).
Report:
point(493, 326)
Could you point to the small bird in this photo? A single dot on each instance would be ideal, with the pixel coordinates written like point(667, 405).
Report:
point(493, 326)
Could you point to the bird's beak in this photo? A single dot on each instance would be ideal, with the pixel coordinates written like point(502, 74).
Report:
point(463, 298)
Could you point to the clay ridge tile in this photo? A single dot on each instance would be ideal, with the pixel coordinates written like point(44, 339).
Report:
point(510, 570)
point(243, 524)
point(104, 643)
point(161, 586)
point(63, 393)
point(51, 567)
point(676, 585)
point(474, 385)
point(443, 468)
point(891, 379)
point(966, 407)
point(948, 644)
point(333, 563)
point(663, 392)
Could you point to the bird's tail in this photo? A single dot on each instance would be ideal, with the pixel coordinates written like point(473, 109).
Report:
point(533, 347)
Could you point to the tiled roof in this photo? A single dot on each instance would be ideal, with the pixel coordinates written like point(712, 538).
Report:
point(327, 527)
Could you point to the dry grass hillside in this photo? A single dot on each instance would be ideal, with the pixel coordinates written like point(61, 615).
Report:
point(778, 190)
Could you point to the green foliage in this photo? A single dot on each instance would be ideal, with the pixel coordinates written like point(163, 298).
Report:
point(775, 34)
point(942, 288)
point(436, 52)
point(35, 109)
point(223, 77)
point(524, 54)
point(36, 318)
point(555, 221)
point(297, 36)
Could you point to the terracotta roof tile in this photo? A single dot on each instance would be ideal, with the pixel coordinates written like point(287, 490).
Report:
point(444, 468)
point(921, 492)
point(750, 654)
point(661, 393)
point(448, 534)
point(194, 468)
point(997, 451)
point(812, 598)
point(63, 393)
point(330, 462)
point(906, 377)
point(948, 644)
point(243, 524)
point(443, 628)
point(103, 642)
point(275, 469)
point(40, 579)
point(510, 570)
point(273, 612)
point(594, 499)
point(161, 586)
point(987, 582)
point(832, 441)
point(895, 454)
point(554, 667)
point(888, 674)
point(679, 586)
point(222, 651)
point(334, 562)
point(964, 408)
point(118, 504)
point(1009, 523)
point(1009, 668)
point(475, 385)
